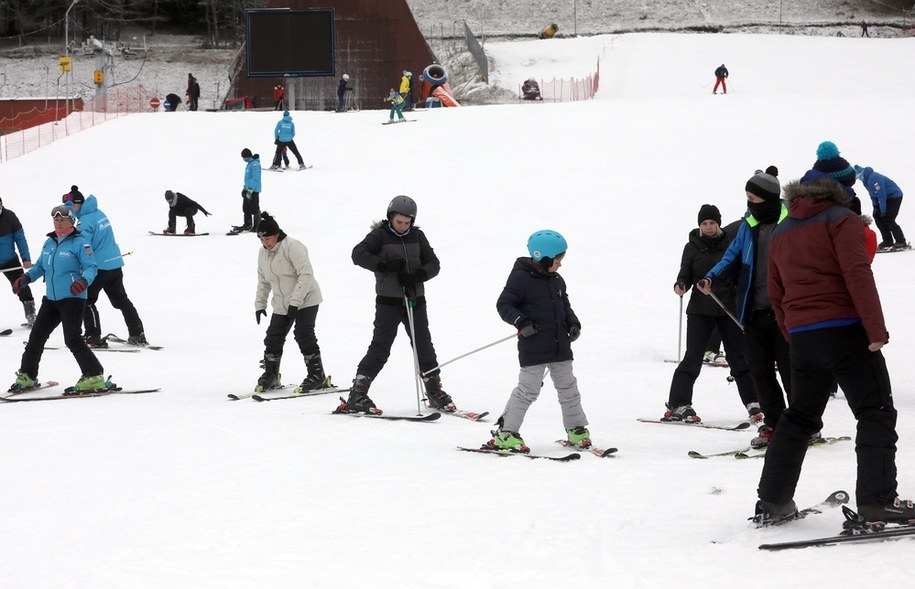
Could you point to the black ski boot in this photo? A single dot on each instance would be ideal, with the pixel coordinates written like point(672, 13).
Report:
point(29, 308)
point(316, 378)
point(773, 514)
point(359, 401)
point(270, 379)
point(437, 398)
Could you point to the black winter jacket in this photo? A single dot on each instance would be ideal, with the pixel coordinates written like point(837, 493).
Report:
point(383, 244)
point(700, 254)
point(531, 292)
point(187, 206)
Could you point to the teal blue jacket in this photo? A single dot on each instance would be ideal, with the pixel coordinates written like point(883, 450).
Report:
point(61, 264)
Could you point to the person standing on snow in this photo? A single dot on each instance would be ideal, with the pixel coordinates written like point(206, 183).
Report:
point(178, 204)
point(193, 92)
point(279, 98)
point(397, 103)
point(406, 89)
point(886, 196)
point(402, 260)
point(704, 249)
point(68, 266)
point(96, 228)
point(721, 75)
point(283, 267)
point(283, 134)
point(12, 236)
point(535, 302)
point(746, 258)
point(250, 194)
point(826, 301)
point(342, 89)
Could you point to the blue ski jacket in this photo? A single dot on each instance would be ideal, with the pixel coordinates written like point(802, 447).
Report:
point(285, 129)
point(253, 173)
point(96, 228)
point(11, 233)
point(63, 263)
point(880, 188)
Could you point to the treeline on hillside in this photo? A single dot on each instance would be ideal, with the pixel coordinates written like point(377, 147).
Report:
point(35, 21)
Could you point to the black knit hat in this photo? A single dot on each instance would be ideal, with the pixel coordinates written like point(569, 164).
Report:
point(830, 162)
point(74, 196)
point(764, 184)
point(709, 212)
point(267, 226)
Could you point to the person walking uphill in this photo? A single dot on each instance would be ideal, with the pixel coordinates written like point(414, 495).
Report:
point(399, 254)
point(12, 236)
point(886, 197)
point(706, 245)
point(250, 194)
point(68, 266)
point(825, 300)
point(284, 133)
point(178, 204)
point(721, 76)
point(96, 228)
point(536, 303)
point(283, 268)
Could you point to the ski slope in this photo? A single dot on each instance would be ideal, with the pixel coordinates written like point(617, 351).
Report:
point(185, 489)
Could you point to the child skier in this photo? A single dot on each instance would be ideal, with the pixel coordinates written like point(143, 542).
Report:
point(397, 103)
point(250, 204)
point(535, 301)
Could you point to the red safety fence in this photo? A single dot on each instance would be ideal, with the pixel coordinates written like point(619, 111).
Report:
point(571, 89)
point(29, 130)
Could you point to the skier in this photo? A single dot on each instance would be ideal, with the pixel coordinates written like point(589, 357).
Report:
point(397, 103)
point(12, 236)
point(886, 196)
point(178, 204)
point(342, 89)
point(704, 249)
point(536, 303)
point(283, 135)
point(721, 74)
point(864, 32)
point(406, 89)
point(746, 257)
point(96, 228)
point(399, 254)
point(68, 267)
point(279, 97)
point(250, 194)
point(283, 267)
point(825, 300)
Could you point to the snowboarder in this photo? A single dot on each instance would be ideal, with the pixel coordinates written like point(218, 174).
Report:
point(826, 301)
point(68, 266)
point(721, 74)
point(397, 103)
point(180, 205)
point(406, 89)
point(704, 249)
point(12, 236)
point(250, 194)
point(342, 89)
point(746, 258)
point(283, 135)
point(399, 254)
point(283, 267)
point(96, 228)
point(536, 303)
point(886, 196)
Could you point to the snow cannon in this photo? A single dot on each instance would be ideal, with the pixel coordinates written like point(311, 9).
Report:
point(436, 88)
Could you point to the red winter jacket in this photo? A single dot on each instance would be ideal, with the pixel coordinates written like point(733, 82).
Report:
point(818, 263)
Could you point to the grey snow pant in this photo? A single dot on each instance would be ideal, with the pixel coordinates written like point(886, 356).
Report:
point(530, 381)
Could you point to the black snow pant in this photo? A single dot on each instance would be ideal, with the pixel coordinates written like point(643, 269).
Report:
point(188, 214)
point(304, 333)
point(766, 348)
point(388, 318)
point(25, 293)
point(277, 157)
point(890, 231)
point(714, 342)
point(251, 208)
point(69, 313)
point(112, 282)
point(698, 329)
point(818, 357)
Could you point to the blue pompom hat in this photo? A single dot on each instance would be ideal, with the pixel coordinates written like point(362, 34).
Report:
point(830, 162)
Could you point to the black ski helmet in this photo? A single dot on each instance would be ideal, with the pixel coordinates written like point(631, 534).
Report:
point(403, 205)
point(246, 153)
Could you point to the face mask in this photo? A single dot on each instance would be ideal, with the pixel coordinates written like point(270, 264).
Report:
point(766, 211)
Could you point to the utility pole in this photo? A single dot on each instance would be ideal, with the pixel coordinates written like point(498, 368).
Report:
point(67, 49)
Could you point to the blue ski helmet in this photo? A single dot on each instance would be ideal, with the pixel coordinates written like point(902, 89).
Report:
point(546, 244)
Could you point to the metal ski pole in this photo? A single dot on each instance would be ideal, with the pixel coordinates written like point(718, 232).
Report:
point(725, 309)
point(680, 332)
point(498, 341)
point(11, 269)
point(409, 304)
point(116, 257)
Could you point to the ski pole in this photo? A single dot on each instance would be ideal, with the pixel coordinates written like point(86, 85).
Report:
point(498, 341)
point(409, 304)
point(680, 332)
point(116, 257)
point(725, 309)
point(12, 269)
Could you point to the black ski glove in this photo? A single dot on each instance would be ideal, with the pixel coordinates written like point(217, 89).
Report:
point(257, 315)
point(395, 265)
point(574, 332)
point(527, 328)
point(412, 278)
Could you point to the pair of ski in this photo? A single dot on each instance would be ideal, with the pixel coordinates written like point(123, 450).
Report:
point(742, 453)
point(290, 169)
point(69, 393)
point(600, 452)
point(177, 234)
point(742, 426)
point(854, 528)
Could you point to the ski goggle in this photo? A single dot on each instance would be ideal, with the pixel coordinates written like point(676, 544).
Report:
point(62, 212)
